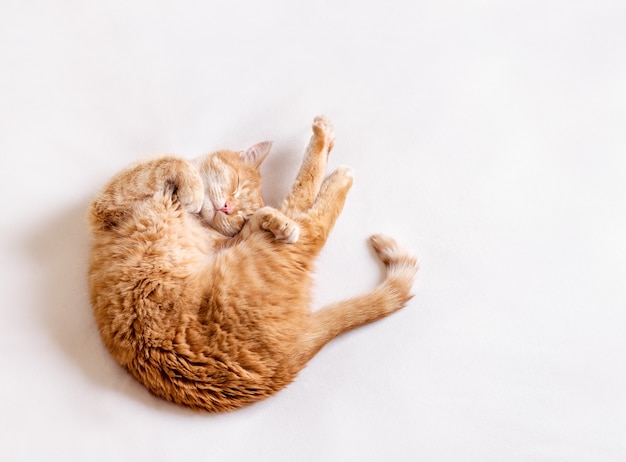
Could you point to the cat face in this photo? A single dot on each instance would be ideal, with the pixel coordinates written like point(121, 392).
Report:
point(232, 187)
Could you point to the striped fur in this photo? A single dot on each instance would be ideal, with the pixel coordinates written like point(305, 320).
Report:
point(211, 310)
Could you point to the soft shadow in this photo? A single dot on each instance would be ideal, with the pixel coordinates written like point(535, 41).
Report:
point(61, 247)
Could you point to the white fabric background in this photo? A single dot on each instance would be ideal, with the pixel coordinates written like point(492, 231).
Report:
point(487, 136)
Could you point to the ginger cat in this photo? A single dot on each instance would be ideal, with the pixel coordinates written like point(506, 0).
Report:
point(202, 293)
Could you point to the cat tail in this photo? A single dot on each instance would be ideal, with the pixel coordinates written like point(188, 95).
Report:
point(142, 181)
point(390, 296)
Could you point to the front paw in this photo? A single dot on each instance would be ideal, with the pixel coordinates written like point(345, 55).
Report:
point(286, 232)
point(236, 222)
point(191, 196)
point(284, 229)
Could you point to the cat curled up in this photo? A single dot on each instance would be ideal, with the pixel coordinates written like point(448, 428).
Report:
point(203, 294)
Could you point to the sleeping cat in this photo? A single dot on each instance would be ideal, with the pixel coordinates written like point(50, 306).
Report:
point(202, 293)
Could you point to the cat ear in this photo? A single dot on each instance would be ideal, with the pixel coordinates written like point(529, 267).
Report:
point(256, 153)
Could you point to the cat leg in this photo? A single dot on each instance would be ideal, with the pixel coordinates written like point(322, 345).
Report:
point(390, 296)
point(269, 219)
point(188, 186)
point(319, 220)
point(311, 174)
point(166, 175)
point(142, 181)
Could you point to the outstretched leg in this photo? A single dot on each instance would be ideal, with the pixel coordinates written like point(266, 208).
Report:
point(317, 223)
point(311, 174)
point(312, 206)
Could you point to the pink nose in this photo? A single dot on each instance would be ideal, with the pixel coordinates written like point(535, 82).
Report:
point(227, 209)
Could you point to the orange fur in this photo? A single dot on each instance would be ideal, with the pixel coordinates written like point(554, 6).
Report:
point(208, 318)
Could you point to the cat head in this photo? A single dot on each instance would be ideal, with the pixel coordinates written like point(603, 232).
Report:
point(232, 186)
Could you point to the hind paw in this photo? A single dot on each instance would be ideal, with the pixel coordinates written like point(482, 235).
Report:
point(323, 133)
point(342, 177)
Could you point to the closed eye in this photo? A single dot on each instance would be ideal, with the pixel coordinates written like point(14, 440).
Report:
point(237, 190)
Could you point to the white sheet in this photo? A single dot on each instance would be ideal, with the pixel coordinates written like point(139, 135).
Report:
point(486, 136)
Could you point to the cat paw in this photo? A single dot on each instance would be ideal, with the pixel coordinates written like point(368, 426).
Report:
point(191, 196)
point(284, 229)
point(343, 175)
point(324, 133)
point(236, 222)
